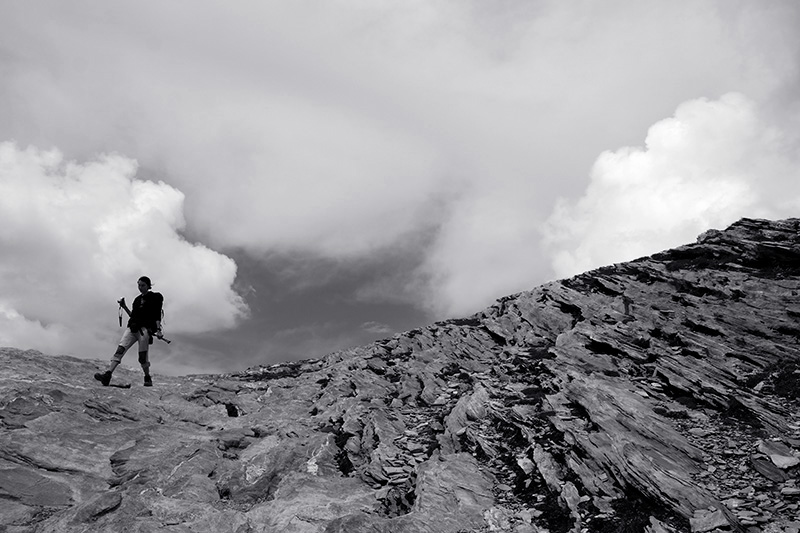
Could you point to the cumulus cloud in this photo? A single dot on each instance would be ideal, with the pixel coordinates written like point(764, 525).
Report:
point(337, 128)
point(377, 327)
point(74, 237)
point(486, 247)
point(710, 164)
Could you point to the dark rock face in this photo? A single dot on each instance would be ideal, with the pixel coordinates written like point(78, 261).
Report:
point(659, 395)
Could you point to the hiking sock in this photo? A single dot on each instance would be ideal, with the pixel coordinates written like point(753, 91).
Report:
point(148, 381)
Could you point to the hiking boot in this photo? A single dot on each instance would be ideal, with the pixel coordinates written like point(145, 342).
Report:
point(104, 378)
point(148, 382)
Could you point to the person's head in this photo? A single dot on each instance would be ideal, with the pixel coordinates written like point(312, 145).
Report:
point(144, 284)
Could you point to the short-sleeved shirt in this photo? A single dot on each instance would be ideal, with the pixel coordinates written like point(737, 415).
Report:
point(146, 311)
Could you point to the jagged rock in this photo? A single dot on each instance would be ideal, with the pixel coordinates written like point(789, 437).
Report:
point(101, 504)
point(767, 468)
point(660, 395)
point(657, 526)
point(780, 454)
point(707, 520)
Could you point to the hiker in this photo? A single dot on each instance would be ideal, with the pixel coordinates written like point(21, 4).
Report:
point(144, 323)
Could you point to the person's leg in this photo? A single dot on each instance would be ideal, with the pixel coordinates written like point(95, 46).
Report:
point(127, 340)
point(116, 359)
point(144, 344)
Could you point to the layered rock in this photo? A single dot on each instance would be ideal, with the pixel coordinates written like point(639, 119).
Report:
point(657, 395)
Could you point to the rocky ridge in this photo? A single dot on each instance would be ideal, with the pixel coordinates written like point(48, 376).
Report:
point(659, 395)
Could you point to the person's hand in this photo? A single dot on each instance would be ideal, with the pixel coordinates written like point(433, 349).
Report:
point(121, 301)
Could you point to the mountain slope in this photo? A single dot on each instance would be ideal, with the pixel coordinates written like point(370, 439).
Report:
point(656, 395)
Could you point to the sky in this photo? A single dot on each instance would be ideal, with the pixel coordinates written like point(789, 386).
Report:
point(303, 177)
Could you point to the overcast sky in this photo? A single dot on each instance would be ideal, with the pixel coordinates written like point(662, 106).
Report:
point(303, 176)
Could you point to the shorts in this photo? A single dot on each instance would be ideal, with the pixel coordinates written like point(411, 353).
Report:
point(130, 337)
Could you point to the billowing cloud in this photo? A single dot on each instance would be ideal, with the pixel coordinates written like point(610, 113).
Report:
point(336, 129)
point(712, 163)
point(74, 237)
point(488, 246)
point(377, 327)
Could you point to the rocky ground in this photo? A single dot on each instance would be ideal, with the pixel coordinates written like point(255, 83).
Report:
point(659, 395)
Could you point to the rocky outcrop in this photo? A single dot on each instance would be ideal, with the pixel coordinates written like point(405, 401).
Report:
point(659, 395)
